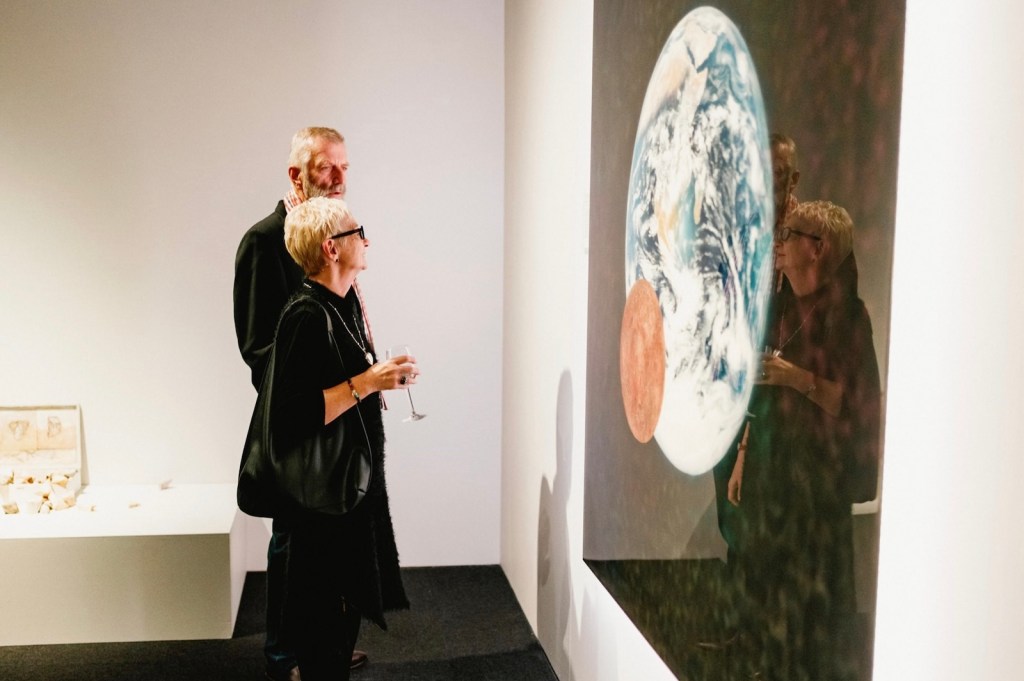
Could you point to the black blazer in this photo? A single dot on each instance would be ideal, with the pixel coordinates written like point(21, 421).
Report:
point(265, 277)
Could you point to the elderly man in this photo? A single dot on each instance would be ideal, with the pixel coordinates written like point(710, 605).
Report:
point(785, 176)
point(265, 277)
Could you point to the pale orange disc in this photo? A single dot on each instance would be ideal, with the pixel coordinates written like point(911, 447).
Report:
point(642, 360)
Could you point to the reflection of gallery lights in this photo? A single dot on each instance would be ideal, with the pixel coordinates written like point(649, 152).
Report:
point(698, 244)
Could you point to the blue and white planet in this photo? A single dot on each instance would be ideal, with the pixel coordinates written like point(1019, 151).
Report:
point(699, 230)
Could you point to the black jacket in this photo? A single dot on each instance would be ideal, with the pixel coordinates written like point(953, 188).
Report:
point(304, 365)
point(265, 277)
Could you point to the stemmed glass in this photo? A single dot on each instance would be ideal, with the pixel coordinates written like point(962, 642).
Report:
point(768, 353)
point(398, 351)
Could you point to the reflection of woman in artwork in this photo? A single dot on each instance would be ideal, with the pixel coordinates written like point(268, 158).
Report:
point(810, 451)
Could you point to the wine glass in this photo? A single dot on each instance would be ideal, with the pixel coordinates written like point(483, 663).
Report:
point(398, 351)
point(768, 353)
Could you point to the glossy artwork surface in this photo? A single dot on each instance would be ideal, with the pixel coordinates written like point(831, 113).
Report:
point(699, 230)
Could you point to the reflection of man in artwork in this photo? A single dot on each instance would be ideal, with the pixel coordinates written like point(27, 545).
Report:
point(811, 451)
point(785, 176)
point(265, 277)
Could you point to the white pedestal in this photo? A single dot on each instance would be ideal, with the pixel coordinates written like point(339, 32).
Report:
point(146, 565)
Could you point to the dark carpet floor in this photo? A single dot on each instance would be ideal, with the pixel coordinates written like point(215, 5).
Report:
point(465, 625)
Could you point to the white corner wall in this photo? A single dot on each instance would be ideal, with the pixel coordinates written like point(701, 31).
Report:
point(548, 52)
point(139, 139)
point(951, 598)
point(951, 603)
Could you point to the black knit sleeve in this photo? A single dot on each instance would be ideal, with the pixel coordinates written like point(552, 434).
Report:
point(303, 358)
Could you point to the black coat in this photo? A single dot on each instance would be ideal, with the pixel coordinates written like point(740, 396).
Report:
point(265, 277)
point(362, 542)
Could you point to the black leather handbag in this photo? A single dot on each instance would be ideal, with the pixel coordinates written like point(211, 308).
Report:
point(326, 475)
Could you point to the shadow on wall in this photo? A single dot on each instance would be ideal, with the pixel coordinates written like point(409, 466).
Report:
point(555, 627)
point(560, 631)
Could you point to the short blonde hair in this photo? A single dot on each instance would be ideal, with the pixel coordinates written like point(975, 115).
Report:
point(834, 223)
point(308, 225)
point(303, 142)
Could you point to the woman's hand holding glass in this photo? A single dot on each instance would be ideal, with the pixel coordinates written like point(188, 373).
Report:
point(826, 393)
point(397, 372)
point(408, 373)
point(776, 371)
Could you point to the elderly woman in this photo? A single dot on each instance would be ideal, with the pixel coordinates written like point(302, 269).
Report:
point(340, 568)
point(810, 450)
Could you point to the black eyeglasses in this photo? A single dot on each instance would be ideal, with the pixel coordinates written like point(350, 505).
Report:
point(786, 232)
point(359, 230)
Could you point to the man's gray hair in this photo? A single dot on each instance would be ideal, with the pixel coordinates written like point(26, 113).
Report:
point(303, 142)
point(777, 139)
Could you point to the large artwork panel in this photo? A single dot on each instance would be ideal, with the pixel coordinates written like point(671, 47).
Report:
point(681, 283)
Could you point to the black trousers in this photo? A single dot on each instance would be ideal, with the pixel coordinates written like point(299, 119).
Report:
point(279, 658)
point(321, 626)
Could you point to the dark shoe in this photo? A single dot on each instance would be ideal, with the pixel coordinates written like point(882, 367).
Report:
point(291, 675)
point(359, 659)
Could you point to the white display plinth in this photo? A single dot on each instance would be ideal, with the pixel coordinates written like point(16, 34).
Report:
point(146, 564)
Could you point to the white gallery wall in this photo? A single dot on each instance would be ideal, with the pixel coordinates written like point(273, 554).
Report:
point(951, 602)
point(587, 637)
point(951, 598)
point(140, 139)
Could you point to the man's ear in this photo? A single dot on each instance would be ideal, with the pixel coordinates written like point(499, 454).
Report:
point(796, 180)
point(295, 176)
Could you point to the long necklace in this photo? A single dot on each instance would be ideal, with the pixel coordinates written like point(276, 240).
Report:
point(358, 341)
point(807, 316)
point(362, 345)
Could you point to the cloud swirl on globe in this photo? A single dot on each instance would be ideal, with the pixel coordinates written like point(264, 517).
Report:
point(698, 230)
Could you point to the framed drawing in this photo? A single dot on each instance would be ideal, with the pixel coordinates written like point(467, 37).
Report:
point(40, 458)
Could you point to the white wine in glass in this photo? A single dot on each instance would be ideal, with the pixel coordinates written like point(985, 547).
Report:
point(398, 351)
